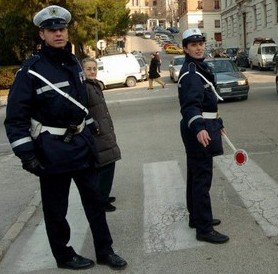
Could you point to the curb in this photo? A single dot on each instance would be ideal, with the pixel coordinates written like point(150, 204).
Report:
point(20, 223)
point(3, 100)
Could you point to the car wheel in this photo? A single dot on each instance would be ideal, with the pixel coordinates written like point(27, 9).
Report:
point(130, 82)
point(244, 97)
point(260, 67)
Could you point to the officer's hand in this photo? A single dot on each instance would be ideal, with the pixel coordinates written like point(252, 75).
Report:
point(95, 127)
point(32, 164)
point(203, 138)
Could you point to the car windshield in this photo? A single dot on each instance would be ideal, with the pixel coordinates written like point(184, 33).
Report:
point(178, 61)
point(269, 50)
point(221, 66)
point(231, 51)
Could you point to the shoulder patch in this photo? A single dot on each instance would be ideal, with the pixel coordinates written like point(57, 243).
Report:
point(29, 62)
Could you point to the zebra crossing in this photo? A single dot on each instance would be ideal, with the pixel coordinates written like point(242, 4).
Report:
point(165, 216)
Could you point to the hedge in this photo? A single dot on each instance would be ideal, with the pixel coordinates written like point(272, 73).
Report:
point(7, 75)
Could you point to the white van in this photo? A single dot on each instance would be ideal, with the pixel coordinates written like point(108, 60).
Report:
point(118, 69)
point(261, 53)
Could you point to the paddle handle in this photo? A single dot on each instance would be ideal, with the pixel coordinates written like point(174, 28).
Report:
point(229, 142)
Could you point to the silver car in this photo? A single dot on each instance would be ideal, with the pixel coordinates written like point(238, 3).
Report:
point(230, 81)
point(175, 67)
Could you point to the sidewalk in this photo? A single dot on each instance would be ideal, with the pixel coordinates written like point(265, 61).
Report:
point(3, 100)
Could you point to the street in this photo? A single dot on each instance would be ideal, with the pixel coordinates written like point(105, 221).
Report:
point(150, 226)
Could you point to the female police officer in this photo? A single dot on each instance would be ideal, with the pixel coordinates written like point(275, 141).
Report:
point(49, 96)
point(201, 134)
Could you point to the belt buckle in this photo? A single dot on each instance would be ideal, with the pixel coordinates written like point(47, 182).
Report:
point(79, 128)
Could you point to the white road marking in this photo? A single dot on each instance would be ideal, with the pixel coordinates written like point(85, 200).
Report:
point(257, 189)
point(165, 214)
point(36, 253)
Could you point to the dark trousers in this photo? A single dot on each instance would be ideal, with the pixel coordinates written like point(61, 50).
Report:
point(55, 192)
point(105, 177)
point(199, 178)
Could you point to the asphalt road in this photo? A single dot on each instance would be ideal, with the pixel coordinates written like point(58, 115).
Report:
point(149, 227)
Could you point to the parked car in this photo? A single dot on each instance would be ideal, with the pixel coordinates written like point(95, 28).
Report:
point(261, 53)
point(174, 50)
point(230, 81)
point(242, 58)
point(275, 62)
point(110, 74)
point(231, 53)
point(144, 68)
point(168, 43)
point(173, 30)
point(175, 67)
point(147, 35)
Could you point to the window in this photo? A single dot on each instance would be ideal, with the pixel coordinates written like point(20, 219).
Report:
point(200, 24)
point(146, 3)
point(217, 23)
point(216, 4)
point(154, 3)
point(217, 36)
point(200, 5)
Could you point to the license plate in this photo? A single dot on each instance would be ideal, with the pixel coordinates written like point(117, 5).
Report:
point(225, 90)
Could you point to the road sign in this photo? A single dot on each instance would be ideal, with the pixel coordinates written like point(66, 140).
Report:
point(101, 44)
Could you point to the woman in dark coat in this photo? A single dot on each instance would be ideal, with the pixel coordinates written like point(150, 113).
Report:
point(108, 152)
point(153, 72)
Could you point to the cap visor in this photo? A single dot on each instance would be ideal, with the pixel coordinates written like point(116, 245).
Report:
point(55, 26)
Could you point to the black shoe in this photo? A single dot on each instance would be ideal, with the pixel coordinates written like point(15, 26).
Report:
point(109, 208)
point(114, 261)
point(215, 222)
point(77, 262)
point(111, 199)
point(213, 237)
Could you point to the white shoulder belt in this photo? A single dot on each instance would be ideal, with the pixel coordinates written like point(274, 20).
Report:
point(208, 82)
point(66, 95)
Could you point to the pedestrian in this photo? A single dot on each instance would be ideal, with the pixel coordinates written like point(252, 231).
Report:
point(159, 61)
point(108, 152)
point(153, 72)
point(49, 129)
point(201, 130)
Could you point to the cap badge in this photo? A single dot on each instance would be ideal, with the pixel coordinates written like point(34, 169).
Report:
point(53, 12)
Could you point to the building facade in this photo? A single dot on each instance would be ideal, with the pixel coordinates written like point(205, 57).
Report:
point(244, 20)
point(162, 11)
point(205, 15)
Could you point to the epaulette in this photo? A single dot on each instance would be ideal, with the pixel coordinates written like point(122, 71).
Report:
point(29, 62)
point(192, 67)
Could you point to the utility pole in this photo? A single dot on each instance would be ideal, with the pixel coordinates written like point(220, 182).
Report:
point(96, 36)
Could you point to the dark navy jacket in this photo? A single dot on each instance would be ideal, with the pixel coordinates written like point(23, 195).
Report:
point(30, 97)
point(195, 97)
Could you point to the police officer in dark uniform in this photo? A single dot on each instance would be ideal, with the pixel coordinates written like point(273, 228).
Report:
point(201, 130)
point(49, 129)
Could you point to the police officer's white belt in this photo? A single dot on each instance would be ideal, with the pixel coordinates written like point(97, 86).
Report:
point(62, 131)
point(37, 128)
point(210, 115)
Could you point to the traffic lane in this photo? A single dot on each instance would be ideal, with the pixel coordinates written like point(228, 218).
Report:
point(146, 135)
point(148, 132)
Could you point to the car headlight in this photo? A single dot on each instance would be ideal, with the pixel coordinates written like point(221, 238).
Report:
point(242, 82)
